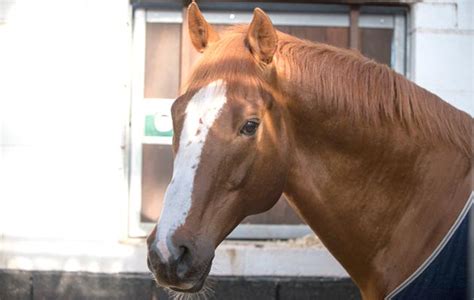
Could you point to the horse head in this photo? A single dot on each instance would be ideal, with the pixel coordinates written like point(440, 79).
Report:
point(230, 146)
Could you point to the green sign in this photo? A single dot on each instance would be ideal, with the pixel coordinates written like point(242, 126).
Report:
point(159, 125)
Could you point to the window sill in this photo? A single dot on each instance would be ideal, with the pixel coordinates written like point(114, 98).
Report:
point(233, 258)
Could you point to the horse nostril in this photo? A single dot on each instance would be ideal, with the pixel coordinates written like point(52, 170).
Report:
point(183, 261)
point(183, 251)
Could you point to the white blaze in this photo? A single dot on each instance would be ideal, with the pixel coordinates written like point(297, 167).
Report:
point(202, 110)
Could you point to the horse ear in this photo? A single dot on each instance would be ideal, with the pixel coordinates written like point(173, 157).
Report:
point(261, 37)
point(200, 32)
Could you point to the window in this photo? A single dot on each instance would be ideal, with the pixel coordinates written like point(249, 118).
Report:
point(163, 57)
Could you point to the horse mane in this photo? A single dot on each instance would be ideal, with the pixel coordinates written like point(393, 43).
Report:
point(372, 92)
point(345, 80)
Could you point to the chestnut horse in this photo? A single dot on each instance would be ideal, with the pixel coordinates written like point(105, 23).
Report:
point(377, 166)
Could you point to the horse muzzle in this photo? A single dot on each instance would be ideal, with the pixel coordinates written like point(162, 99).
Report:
point(185, 268)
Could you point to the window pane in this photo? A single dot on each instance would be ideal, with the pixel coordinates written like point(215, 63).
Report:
point(157, 169)
point(336, 36)
point(162, 73)
point(162, 60)
point(376, 43)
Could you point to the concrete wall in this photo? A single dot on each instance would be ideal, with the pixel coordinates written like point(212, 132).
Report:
point(59, 285)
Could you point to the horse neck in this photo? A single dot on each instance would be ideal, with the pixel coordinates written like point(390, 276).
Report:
point(375, 195)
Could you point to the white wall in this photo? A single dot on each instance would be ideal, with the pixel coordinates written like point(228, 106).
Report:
point(64, 92)
point(442, 44)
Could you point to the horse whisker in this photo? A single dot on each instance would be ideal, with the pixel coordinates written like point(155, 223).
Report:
point(207, 292)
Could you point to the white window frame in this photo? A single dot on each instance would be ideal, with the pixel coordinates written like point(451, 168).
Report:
point(393, 20)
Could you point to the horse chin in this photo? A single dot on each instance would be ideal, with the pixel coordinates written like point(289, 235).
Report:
point(203, 291)
point(195, 289)
point(198, 285)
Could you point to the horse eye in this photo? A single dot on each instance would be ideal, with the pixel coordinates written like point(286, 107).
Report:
point(250, 127)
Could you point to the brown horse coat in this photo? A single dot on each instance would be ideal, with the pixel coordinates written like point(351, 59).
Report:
point(377, 166)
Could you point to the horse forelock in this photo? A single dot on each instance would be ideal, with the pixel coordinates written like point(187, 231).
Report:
point(228, 60)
